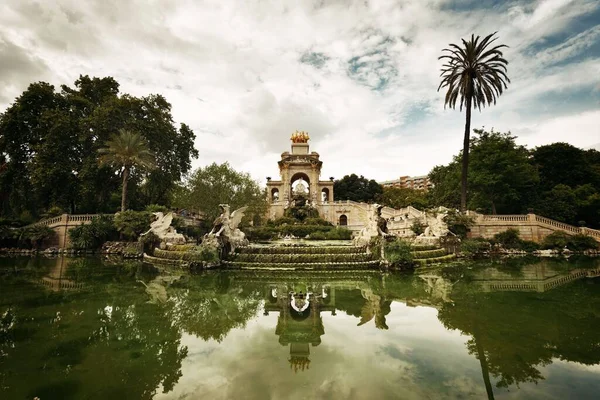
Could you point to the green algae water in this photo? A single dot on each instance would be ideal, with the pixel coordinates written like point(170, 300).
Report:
point(90, 329)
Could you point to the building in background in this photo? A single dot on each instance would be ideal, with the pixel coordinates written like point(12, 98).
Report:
point(410, 182)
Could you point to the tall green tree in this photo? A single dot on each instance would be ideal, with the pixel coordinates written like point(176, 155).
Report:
point(217, 184)
point(356, 188)
point(49, 142)
point(396, 197)
point(501, 175)
point(475, 73)
point(126, 151)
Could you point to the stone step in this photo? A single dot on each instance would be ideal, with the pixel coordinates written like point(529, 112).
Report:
point(301, 258)
point(302, 266)
point(422, 254)
point(301, 250)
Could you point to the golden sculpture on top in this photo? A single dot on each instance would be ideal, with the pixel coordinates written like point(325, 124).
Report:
point(300, 137)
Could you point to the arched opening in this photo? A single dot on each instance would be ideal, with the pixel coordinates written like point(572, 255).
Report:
point(275, 195)
point(300, 188)
point(343, 220)
point(325, 195)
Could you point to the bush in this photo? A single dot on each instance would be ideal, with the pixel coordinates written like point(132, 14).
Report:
point(458, 223)
point(301, 213)
point(261, 233)
point(36, 234)
point(474, 247)
point(560, 240)
point(317, 221)
point(94, 234)
point(318, 236)
point(529, 246)
point(418, 228)
point(509, 239)
point(582, 242)
point(556, 240)
point(282, 221)
point(398, 252)
point(132, 223)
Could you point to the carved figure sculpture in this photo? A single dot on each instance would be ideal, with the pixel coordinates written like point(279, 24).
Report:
point(162, 228)
point(376, 226)
point(225, 229)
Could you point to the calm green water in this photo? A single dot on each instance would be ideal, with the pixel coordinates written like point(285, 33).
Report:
point(83, 329)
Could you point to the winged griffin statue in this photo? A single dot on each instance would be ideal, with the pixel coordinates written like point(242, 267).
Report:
point(225, 228)
point(162, 228)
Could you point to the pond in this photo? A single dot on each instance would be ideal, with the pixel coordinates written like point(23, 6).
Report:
point(90, 329)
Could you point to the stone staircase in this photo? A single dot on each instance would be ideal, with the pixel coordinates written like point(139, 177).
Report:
point(302, 258)
point(425, 255)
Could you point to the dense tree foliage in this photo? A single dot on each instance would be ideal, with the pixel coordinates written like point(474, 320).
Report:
point(506, 178)
point(355, 188)
point(475, 73)
point(216, 184)
point(396, 197)
point(49, 142)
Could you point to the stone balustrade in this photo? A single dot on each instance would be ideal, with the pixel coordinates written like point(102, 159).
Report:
point(530, 226)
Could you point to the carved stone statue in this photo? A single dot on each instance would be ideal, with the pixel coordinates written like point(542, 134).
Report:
point(225, 229)
point(376, 226)
point(162, 228)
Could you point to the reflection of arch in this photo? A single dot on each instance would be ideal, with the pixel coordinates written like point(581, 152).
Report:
point(274, 195)
point(325, 195)
point(343, 220)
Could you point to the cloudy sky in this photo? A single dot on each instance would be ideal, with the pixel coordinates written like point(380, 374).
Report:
point(360, 76)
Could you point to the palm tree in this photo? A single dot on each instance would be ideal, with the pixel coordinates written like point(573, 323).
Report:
point(476, 73)
point(127, 150)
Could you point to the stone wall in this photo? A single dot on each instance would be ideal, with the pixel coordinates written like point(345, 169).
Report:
point(530, 226)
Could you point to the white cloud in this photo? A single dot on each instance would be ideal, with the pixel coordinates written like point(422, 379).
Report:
point(233, 72)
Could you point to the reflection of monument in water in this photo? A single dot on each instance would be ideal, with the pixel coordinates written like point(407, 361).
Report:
point(301, 297)
point(300, 324)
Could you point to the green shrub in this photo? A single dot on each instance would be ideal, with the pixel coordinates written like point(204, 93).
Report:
point(338, 234)
point(150, 242)
point(301, 213)
point(94, 234)
point(398, 252)
point(418, 228)
point(318, 236)
point(36, 234)
point(261, 233)
point(458, 223)
point(474, 247)
point(317, 221)
point(529, 246)
point(556, 240)
point(509, 239)
point(582, 242)
point(132, 223)
point(282, 221)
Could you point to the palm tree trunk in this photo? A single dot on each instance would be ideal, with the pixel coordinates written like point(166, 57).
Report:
point(465, 157)
point(493, 207)
point(124, 193)
point(484, 368)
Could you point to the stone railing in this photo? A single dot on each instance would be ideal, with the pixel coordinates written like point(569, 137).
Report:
point(66, 219)
point(507, 218)
point(533, 226)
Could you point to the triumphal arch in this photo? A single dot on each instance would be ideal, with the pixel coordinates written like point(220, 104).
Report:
point(300, 171)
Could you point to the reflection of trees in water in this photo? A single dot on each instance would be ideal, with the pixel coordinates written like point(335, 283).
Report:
point(209, 307)
point(104, 340)
point(514, 333)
